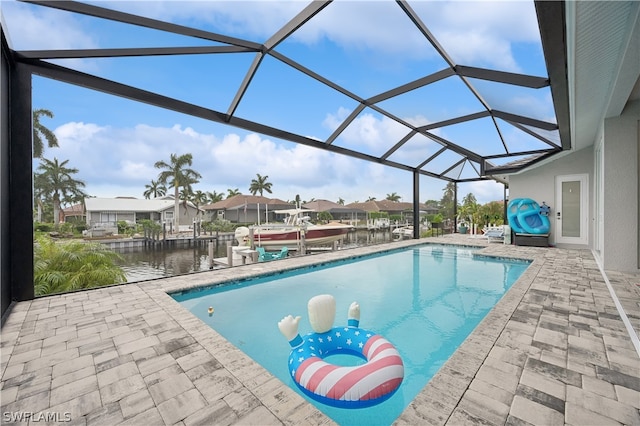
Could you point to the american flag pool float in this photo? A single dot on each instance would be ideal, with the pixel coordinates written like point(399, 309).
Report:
point(341, 386)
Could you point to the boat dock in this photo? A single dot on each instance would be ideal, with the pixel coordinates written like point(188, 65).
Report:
point(237, 256)
point(179, 240)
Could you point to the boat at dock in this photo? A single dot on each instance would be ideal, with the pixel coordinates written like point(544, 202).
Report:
point(404, 232)
point(295, 230)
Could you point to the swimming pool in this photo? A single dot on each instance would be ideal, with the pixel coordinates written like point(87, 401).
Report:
point(425, 299)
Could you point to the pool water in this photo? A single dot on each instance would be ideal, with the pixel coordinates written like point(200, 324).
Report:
point(425, 299)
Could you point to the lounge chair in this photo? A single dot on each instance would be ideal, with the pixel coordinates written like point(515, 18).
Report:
point(494, 234)
point(264, 255)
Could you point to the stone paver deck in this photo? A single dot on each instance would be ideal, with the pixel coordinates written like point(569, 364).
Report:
point(553, 351)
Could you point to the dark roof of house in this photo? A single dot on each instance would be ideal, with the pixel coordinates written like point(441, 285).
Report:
point(251, 201)
point(74, 210)
point(387, 206)
point(330, 206)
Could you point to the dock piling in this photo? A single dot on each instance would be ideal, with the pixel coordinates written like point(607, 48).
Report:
point(211, 251)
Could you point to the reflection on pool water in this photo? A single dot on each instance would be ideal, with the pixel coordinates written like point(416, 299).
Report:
point(425, 300)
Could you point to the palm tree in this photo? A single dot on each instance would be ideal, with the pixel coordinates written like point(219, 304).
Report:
point(62, 267)
point(469, 199)
point(447, 202)
point(155, 189)
point(468, 208)
point(40, 195)
point(393, 197)
point(56, 180)
point(177, 175)
point(371, 199)
point(260, 184)
point(449, 192)
point(185, 196)
point(214, 197)
point(232, 192)
point(198, 198)
point(40, 132)
point(341, 201)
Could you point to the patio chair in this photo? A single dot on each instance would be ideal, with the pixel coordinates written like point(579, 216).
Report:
point(264, 255)
point(284, 251)
point(494, 235)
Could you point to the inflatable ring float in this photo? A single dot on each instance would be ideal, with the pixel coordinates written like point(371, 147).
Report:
point(341, 386)
point(525, 217)
point(346, 387)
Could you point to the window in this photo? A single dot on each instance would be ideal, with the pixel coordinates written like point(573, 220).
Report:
point(106, 217)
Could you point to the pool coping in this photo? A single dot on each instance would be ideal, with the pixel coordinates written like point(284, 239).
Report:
point(289, 406)
point(455, 376)
point(553, 350)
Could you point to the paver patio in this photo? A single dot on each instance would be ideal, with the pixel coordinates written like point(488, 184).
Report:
point(553, 351)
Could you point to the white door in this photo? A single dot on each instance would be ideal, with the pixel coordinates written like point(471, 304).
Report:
point(571, 216)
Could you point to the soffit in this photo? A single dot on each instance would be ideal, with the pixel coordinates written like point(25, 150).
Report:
point(604, 47)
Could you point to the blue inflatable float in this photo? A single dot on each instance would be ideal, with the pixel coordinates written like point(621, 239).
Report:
point(526, 217)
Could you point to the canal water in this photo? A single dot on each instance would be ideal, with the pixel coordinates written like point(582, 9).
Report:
point(145, 263)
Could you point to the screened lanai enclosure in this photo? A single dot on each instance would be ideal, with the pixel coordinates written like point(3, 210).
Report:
point(455, 104)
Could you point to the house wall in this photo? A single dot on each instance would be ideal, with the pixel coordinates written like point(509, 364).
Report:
point(186, 217)
point(94, 217)
point(239, 216)
point(621, 156)
point(539, 183)
point(128, 216)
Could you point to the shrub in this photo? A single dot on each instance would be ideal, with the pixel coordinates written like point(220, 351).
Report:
point(65, 266)
point(378, 215)
point(43, 227)
point(220, 225)
point(65, 228)
point(325, 217)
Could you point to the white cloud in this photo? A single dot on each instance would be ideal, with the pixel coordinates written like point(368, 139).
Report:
point(482, 33)
point(135, 169)
point(259, 19)
point(77, 132)
point(476, 32)
point(39, 28)
point(368, 132)
point(378, 26)
point(120, 162)
point(332, 121)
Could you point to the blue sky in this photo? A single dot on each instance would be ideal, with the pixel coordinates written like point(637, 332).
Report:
point(114, 142)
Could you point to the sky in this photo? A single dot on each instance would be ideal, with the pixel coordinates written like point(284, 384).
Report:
point(114, 142)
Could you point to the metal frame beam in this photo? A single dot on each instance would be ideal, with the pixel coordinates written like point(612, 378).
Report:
point(129, 52)
point(552, 22)
point(78, 78)
point(24, 64)
point(128, 18)
point(461, 119)
point(522, 80)
point(299, 20)
point(416, 84)
point(524, 120)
